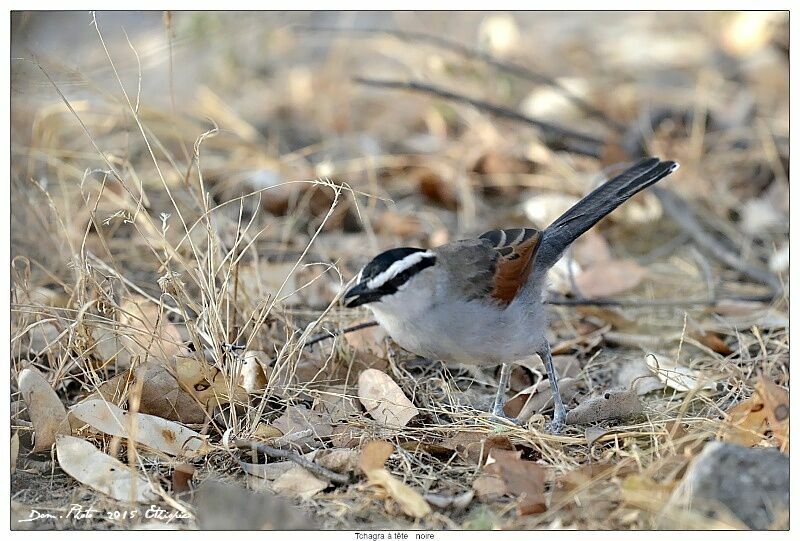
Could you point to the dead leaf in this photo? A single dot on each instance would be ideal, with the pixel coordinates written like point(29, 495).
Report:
point(746, 423)
point(373, 457)
point(409, 500)
point(253, 378)
point(610, 278)
point(642, 491)
point(776, 405)
point(369, 339)
point(436, 189)
point(337, 403)
point(591, 249)
point(608, 316)
point(185, 389)
point(150, 332)
point(265, 432)
point(272, 470)
point(339, 460)
point(154, 432)
point(543, 209)
point(475, 447)
point(522, 478)
point(398, 224)
point(114, 390)
point(676, 376)
point(713, 341)
point(613, 404)
point(298, 482)
point(43, 337)
point(594, 433)
point(384, 400)
point(539, 398)
point(488, 488)
point(297, 420)
point(458, 501)
point(182, 475)
point(47, 413)
point(434, 449)
point(634, 373)
point(90, 466)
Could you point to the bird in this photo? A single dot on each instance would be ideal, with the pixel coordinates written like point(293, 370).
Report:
point(481, 301)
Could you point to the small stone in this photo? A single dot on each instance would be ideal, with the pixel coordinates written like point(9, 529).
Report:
point(752, 483)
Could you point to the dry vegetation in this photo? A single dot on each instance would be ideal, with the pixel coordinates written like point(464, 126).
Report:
point(186, 209)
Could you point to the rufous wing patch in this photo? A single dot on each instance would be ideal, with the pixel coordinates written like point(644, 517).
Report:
point(516, 248)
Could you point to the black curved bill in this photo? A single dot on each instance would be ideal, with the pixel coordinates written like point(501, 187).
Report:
point(359, 295)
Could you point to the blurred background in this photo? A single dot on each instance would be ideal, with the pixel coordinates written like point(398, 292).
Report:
point(235, 169)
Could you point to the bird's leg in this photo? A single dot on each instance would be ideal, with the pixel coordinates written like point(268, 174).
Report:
point(500, 397)
point(559, 412)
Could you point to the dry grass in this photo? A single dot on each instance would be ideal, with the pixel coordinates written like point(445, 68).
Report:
point(238, 209)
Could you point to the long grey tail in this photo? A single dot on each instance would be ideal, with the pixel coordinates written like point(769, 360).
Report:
point(595, 206)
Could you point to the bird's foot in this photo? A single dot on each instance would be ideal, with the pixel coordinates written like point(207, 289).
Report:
point(500, 415)
point(557, 424)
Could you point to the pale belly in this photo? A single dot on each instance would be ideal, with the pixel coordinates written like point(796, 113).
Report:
point(472, 333)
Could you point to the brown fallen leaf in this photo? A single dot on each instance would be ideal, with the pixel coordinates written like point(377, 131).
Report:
point(713, 341)
point(488, 487)
point(90, 466)
point(47, 413)
point(442, 501)
point(302, 426)
point(591, 249)
point(298, 482)
point(475, 447)
point(543, 209)
point(369, 339)
point(181, 478)
point(493, 162)
point(746, 423)
point(384, 400)
point(150, 332)
point(337, 402)
point(608, 316)
point(150, 431)
point(339, 460)
point(399, 224)
point(539, 398)
point(776, 405)
point(610, 278)
point(436, 189)
point(373, 457)
point(642, 491)
point(252, 377)
point(184, 389)
point(522, 478)
point(272, 470)
point(677, 376)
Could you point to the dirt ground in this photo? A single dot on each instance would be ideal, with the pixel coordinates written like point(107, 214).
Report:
point(191, 193)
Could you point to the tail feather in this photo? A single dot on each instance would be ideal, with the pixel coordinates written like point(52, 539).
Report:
point(595, 206)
